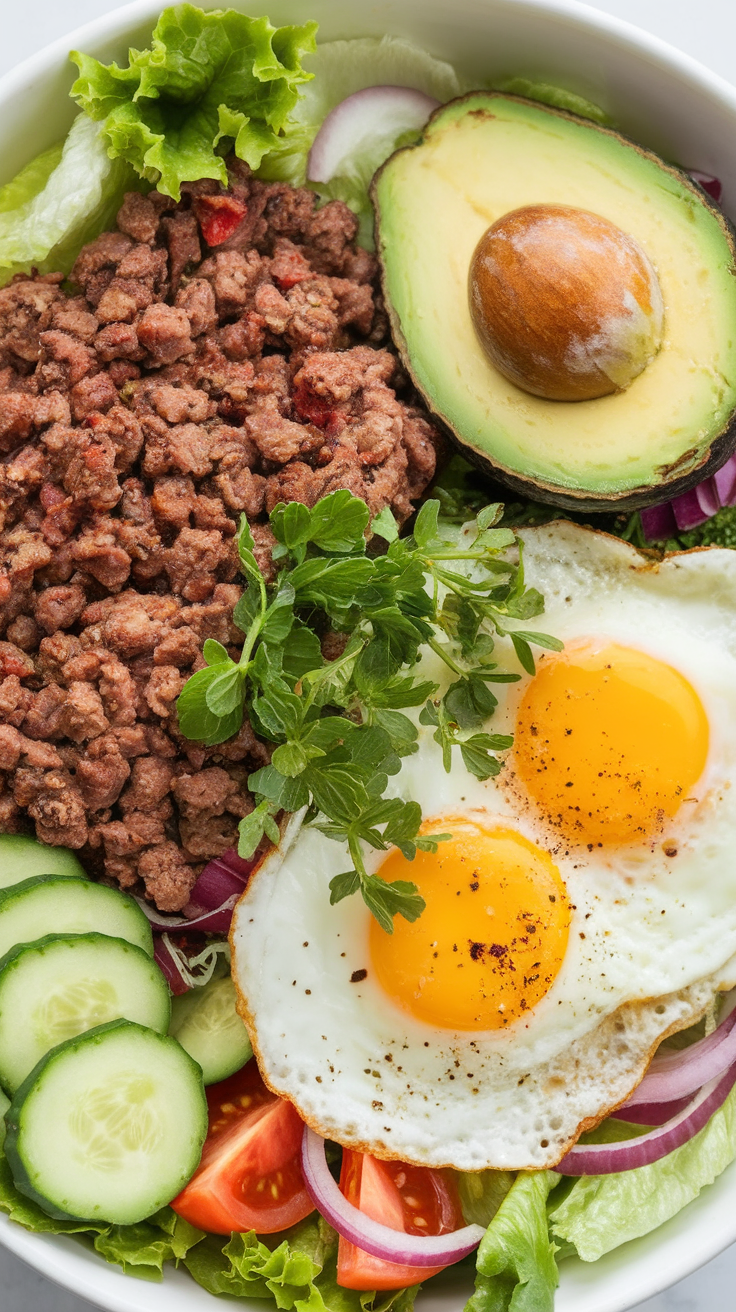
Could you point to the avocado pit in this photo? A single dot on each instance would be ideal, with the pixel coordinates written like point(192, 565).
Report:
point(565, 303)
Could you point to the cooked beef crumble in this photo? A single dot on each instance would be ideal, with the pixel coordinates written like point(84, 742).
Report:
point(175, 386)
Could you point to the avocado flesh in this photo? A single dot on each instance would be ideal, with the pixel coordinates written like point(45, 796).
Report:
point(486, 154)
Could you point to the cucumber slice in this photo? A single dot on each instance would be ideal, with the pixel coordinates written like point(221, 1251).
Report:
point(22, 857)
point(65, 984)
point(208, 1027)
point(62, 904)
point(109, 1126)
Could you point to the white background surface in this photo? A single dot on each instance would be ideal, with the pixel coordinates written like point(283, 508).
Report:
point(706, 29)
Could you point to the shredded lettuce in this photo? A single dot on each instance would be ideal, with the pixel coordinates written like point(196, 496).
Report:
point(141, 1250)
point(206, 76)
point(300, 1273)
point(516, 1268)
point(62, 199)
point(602, 1211)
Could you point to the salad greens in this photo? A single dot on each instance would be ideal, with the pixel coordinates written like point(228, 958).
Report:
point(140, 1250)
point(427, 589)
point(62, 199)
point(299, 1273)
point(516, 1259)
point(601, 1212)
point(341, 68)
point(206, 76)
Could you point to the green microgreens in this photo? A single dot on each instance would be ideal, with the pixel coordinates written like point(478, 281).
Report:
point(339, 727)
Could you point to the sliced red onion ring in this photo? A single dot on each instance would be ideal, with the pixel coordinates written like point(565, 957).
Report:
point(693, 508)
point(713, 186)
point(369, 1235)
point(707, 495)
point(216, 921)
point(223, 877)
point(365, 119)
point(688, 511)
point(725, 482)
point(652, 1113)
point(674, 1075)
point(169, 966)
point(658, 522)
point(609, 1158)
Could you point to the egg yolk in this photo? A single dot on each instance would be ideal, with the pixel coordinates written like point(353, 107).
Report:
point(491, 939)
point(609, 742)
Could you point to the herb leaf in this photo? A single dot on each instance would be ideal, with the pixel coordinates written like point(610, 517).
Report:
point(338, 727)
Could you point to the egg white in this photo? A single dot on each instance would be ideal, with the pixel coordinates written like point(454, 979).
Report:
point(652, 937)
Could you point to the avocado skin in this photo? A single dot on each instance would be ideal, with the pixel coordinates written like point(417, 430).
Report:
point(723, 443)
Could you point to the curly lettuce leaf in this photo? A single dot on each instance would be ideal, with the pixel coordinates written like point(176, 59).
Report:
point(299, 1273)
point(516, 1267)
point(62, 199)
point(601, 1212)
point(141, 1250)
point(205, 77)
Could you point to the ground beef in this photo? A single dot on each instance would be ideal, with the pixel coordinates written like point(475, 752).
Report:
point(173, 387)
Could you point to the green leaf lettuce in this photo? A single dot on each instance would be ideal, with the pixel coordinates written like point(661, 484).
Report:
point(602, 1211)
point(341, 68)
point(205, 77)
point(299, 1273)
point(516, 1269)
point(62, 199)
point(140, 1250)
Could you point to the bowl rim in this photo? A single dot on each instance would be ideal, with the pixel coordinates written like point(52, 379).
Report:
point(620, 32)
point(56, 1257)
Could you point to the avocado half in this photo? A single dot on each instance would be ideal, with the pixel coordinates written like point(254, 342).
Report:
point(489, 153)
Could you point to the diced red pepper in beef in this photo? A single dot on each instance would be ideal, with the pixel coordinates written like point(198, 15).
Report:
point(218, 217)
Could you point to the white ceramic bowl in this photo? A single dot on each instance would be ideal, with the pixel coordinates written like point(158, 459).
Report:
point(660, 97)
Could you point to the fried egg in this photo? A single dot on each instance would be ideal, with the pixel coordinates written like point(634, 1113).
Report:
point(583, 907)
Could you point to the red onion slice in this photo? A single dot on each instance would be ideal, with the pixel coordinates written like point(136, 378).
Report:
point(223, 877)
point(725, 482)
point(184, 972)
point(361, 121)
point(216, 921)
point(693, 508)
point(674, 1075)
point(658, 522)
point(369, 1235)
point(609, 1158)
point(708, 497)
point(713, 186)
point(688, 511)
point(168, 964)
point(652, 1113)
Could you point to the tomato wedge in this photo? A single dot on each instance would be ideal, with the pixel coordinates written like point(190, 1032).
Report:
point(414, 1199)
point(249, 1176)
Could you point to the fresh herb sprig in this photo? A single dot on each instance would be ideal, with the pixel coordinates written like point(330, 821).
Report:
point(339, 726)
